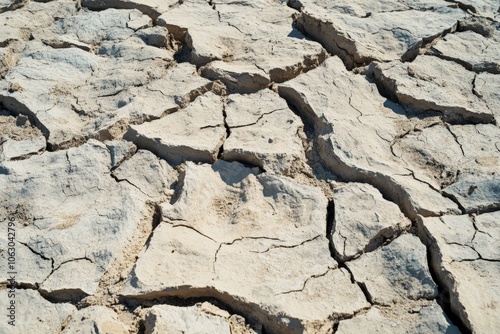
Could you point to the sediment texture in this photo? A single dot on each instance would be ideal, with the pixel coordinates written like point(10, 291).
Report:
point(261, 166)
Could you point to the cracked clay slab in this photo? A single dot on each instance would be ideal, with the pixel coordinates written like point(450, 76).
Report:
point(73, 219)
point(464, 255)
point(226, 231)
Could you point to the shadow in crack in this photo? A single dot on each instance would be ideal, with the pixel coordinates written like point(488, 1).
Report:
point(233, 172)
point(295, 33)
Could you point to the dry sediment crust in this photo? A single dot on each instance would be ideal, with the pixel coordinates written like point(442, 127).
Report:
point(250, 166)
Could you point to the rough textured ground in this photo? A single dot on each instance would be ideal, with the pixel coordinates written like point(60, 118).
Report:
point(250, 166)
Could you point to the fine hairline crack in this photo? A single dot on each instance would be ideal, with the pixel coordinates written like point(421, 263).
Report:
point(236, 240)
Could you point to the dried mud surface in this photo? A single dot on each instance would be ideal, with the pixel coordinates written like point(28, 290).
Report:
point(261, 166)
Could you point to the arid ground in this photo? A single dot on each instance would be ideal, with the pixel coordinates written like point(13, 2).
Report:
point(249, 166)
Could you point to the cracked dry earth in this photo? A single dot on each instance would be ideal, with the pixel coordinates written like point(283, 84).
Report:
point(250, 166)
